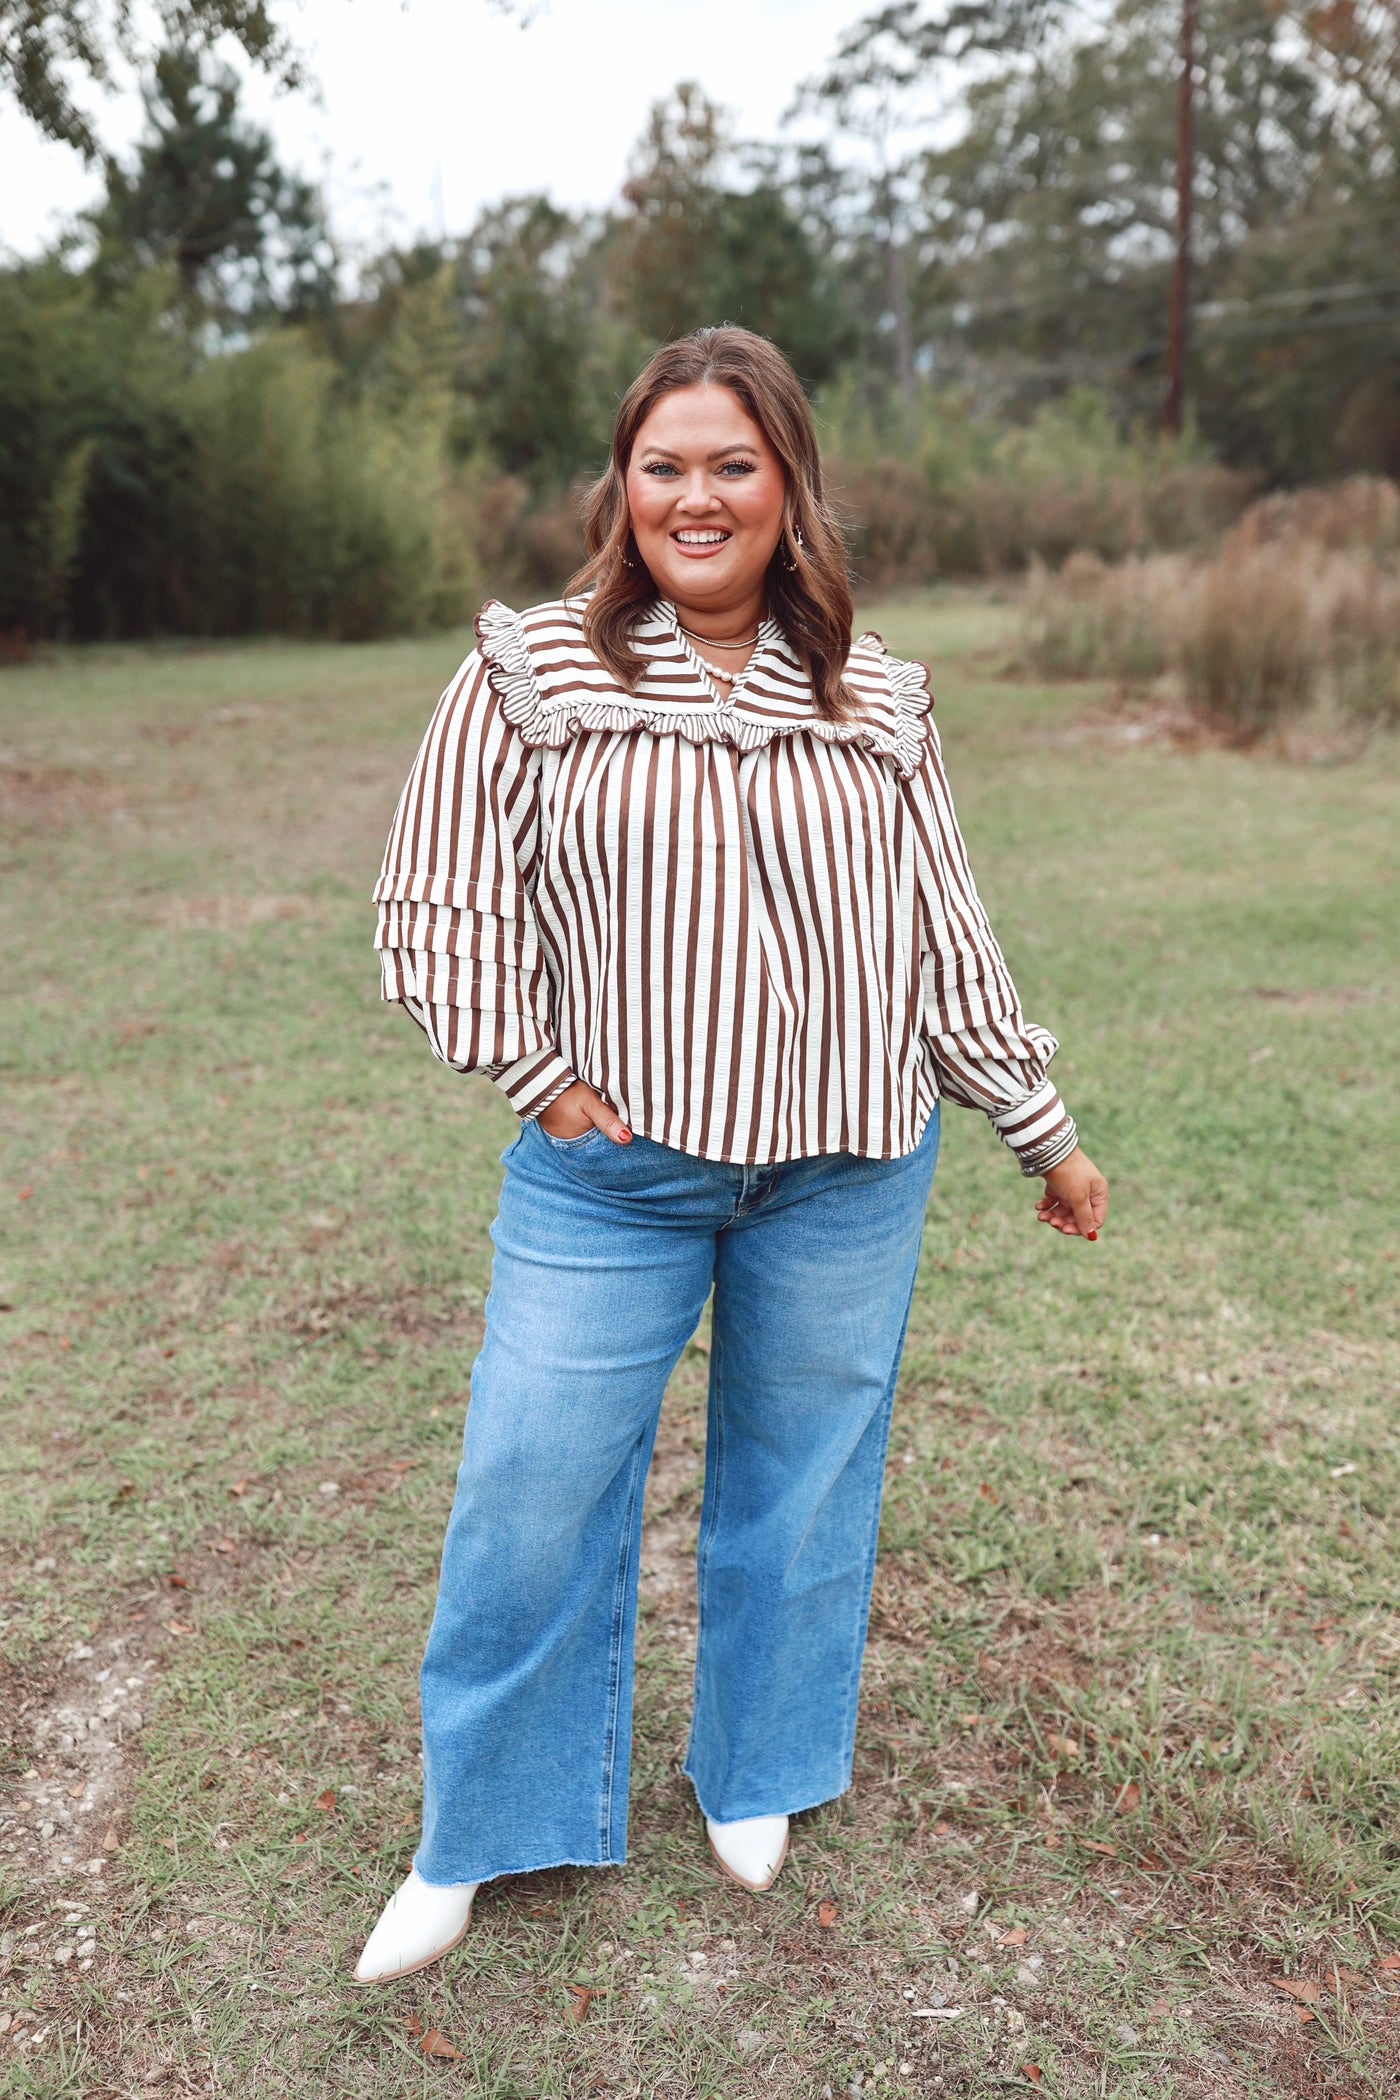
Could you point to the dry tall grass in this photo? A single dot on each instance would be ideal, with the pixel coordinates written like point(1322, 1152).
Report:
point(1298, 610)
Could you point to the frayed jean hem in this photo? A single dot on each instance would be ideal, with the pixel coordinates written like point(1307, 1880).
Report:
point(529, 1866)
point(800, 1808)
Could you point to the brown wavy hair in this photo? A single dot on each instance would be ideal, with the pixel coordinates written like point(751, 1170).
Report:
point(809, 591)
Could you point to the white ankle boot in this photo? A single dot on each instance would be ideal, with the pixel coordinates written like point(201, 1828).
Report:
point(417, 1924)
point(751, 1852)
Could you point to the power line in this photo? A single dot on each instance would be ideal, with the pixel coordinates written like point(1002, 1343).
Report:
point(1304, 295)
point(1368, 317)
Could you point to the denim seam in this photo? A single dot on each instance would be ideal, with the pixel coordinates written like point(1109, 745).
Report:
point(619, 1620)
point(702, 1565)
point(872, 1552)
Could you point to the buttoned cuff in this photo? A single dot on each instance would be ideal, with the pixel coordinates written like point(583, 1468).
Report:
point(1040, 1130)
point(532, 1082)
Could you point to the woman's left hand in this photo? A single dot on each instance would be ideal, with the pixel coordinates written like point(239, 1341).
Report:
point(1076, 1197)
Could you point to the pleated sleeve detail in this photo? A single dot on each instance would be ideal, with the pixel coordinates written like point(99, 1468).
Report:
point(458, 944)
point(986, 1054)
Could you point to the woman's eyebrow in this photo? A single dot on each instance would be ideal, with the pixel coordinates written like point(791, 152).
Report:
point(720, 452)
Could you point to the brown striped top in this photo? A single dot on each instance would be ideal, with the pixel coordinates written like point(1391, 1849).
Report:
point(752, 930)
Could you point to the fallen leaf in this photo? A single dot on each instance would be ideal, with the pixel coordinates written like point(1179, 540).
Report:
point(414, 2024)
point(76, 1792)
point(827, 1914)
point(325, 1799)
point(938, 2012)
point(178, 1582)
point(26, 1192)
point(582, 1998)
point(1305, 2015)
point(1015, 1938)
point(1031, 2071)
point(1062, 1745)
point(111, 1842)
point(940, 1830)
point(167, 1352)
point(1159, 2008)
point(1152, 1863)
point(1322, 1626)
point(240, 1487)
point(1052, 1839)
point(64, 1342)
point(125, 1491)
point(1389, 1961)
point(1298, 1987)
point(178, 1627)
point(1093, 1845)
point(223, 1546)
point(300, 1838)
point(435, 2043)
point(1128, 1798)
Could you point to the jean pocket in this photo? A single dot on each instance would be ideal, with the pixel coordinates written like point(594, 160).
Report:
point(573, 1144)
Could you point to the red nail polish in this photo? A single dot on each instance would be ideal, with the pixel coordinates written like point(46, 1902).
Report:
point(1093, 1235)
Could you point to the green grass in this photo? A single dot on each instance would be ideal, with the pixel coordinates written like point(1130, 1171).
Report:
point(1139, 1527)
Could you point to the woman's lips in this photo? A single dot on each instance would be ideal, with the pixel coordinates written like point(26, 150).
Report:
point(697, 541)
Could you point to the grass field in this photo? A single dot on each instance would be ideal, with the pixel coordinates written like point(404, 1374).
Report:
point(1129, 1757)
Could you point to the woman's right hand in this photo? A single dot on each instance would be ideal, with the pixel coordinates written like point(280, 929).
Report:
point(579, 1109)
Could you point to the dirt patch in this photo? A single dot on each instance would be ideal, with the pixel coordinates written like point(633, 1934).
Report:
point(64, 1817)
point(1160, 720)
point(59, 1823)
point(1125, 720)
point(43, 798)
point(227, 914)
point(1302, 999)
point(331, 1309)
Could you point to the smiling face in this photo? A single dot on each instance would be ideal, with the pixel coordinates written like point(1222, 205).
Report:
point(706, 493)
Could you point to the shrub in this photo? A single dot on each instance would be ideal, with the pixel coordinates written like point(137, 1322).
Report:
point(946, 493)
point(525, 548)
point(314, 515)
point(149, 487)
point(1299, 609)
point(1091, 620)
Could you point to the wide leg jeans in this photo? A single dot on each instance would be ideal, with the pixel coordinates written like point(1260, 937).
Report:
point(604, 1257)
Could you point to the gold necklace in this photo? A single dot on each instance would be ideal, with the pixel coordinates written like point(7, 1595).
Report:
point(714, 642)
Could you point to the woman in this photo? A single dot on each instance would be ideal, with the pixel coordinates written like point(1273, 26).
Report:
point(677, 868)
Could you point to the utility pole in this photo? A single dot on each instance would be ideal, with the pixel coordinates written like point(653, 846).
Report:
point(1179, 321)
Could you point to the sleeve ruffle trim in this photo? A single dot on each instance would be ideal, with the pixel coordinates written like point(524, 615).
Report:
point(541, 719)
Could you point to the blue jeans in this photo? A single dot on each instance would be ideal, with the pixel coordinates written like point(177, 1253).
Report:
point(605, 1255)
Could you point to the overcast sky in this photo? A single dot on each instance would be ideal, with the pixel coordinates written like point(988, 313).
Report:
point(428, 100)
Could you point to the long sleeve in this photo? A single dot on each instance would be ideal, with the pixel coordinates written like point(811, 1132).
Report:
point(985, 1053)
point(457, 939)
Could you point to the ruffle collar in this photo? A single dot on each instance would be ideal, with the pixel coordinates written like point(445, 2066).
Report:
point(551, 686)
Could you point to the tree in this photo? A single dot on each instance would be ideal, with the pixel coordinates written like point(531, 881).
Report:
point(695, 244)
point(527, 342)
point(206, 193)
point(47, 47)
point(1042, 228)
